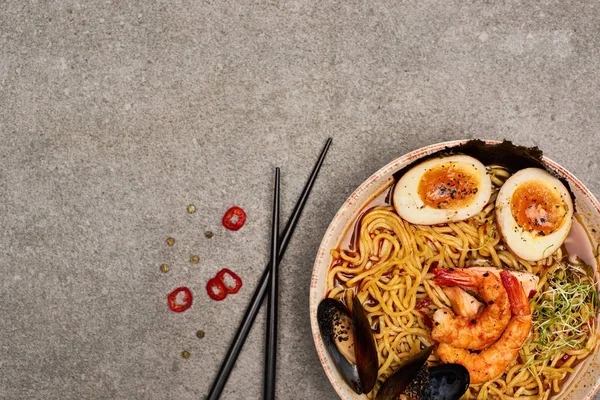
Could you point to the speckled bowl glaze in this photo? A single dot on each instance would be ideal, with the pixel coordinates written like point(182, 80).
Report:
point(582, 385)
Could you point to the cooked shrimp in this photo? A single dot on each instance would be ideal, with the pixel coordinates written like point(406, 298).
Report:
point(463, 303)
point(494, 360)
point(477, 332)
point(527, 279)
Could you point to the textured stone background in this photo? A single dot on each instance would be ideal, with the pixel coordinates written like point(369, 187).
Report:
point(115, 115)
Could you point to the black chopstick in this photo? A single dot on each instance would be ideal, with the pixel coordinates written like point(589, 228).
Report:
point(261, 290)
point(272, 301)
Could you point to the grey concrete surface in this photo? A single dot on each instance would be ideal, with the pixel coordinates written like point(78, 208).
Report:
point(115, 115)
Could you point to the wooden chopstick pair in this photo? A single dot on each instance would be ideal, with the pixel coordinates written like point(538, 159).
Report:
point(278, 247)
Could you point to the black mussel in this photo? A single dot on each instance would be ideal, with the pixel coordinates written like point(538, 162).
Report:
point(417, 381)
point(365, 347)
point(400, 380)
point(446, 382)
point(335, 325)
point(350, 342)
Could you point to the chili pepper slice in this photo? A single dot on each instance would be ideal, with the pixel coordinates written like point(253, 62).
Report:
point(427, 321)
point(180, 303)
point(236, 279)
point(234, 218)
point(216, 289)
point(423, 303)
point(563, 360)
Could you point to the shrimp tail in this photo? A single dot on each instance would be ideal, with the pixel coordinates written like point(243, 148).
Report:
point(453, 277)
point(519, 304)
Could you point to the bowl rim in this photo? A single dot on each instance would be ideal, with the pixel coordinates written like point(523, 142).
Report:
point(375, 179)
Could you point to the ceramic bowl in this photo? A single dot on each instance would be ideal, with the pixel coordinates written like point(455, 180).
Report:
point(581, 385)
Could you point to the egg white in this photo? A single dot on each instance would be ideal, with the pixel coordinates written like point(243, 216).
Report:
point(410, 207)
point(527, 245)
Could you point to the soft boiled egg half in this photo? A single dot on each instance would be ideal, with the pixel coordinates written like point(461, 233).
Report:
point(442, 190)
point(534, 213)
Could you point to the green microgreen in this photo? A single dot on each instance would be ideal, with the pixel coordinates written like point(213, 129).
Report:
point(565, 312)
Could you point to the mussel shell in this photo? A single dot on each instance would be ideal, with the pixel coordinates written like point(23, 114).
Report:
point(399, 381)
point(364, 346)
point(328, 312)
point(446, 382)
point(362, 376)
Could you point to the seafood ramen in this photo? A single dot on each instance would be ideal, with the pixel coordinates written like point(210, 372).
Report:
point(472, 258)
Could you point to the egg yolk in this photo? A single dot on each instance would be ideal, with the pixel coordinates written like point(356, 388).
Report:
point(449, 186)
point(537, 208)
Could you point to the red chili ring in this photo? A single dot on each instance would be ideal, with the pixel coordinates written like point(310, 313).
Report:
point(423, 303)
point(234, 218)
point(186, 302)
point(221, 291)
point(238, 281)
